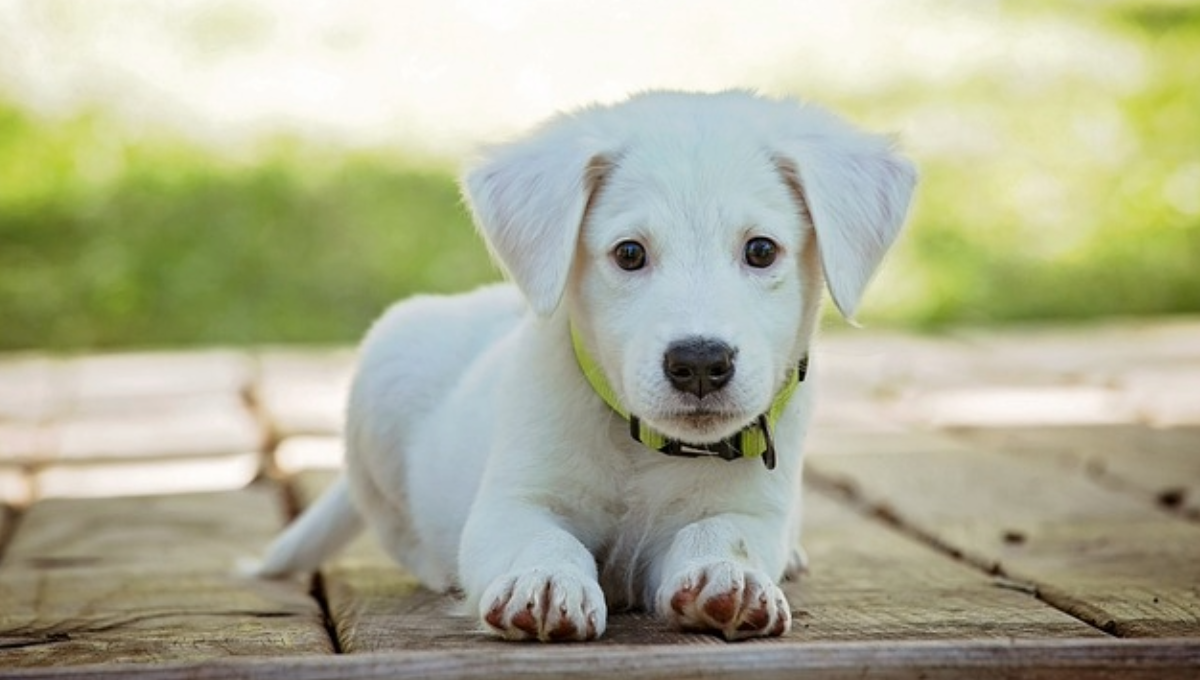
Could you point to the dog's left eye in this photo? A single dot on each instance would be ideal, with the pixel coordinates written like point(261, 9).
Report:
point(630, 255)
point(760, 252)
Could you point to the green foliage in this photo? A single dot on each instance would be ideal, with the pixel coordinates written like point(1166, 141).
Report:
point(1044, 195)
point(1082, 196)
point(105, 243)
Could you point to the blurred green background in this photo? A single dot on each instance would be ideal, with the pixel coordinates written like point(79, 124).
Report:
point(1054, 195)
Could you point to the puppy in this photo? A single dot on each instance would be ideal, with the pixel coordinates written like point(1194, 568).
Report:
point(621, 427)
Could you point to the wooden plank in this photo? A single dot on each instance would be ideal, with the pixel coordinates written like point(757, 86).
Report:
point(881, 363)
point(1095, 352)
point(868, 583)
point(130, 381)
point(16, 486)
point(1099, 373)
point(32, 387)
point(1153, 366)
point(374, 603)
point(1163, 465)
point(126, 424)
point(174, 444)
point(204, 425)
point(308, 452)
point(303, 393)
point(895, 441)
point(31, 393)
point(877, 381)
point(104, 478)
point(26, 443)
point(1166, 395)
point(1106, 557)
point(149, 579)
point(993, 405)
point(767, 660)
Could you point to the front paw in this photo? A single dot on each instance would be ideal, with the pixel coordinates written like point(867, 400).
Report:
point(727, 598)
point(544, 604)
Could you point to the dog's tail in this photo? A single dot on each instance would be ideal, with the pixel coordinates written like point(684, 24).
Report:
point(319, 532)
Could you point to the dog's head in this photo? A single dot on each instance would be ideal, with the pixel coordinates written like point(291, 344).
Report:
point(690, 235)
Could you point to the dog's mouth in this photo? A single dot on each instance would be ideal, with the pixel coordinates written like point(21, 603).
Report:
point(703, 425)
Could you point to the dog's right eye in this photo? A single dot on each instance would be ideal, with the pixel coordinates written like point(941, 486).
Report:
point(761, 252)
point(630, 255)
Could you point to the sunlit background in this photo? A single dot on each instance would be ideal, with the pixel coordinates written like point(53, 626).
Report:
point(242, 171)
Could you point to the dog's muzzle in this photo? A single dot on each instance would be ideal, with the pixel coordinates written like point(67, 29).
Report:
point(752, 441)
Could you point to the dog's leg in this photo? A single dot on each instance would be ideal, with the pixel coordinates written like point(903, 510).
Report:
point(537, 580)
point(715, 579)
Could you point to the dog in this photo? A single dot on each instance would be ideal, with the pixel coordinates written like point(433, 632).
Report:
point(621, 426)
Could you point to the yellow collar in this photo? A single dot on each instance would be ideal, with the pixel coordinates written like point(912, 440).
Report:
point(752, 441)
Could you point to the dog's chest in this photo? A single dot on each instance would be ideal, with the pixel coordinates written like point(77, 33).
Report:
point(658, 497)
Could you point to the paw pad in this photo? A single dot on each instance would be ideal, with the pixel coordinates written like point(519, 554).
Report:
point(725, 598)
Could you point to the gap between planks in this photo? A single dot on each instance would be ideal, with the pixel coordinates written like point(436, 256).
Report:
point(883, 513)
point(1115, 561)
point(149, 580)
point(1160, 466)
point(10, 517)
point(292, 507)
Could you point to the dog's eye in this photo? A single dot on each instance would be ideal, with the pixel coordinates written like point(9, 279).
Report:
point(630, 255)
point(760, 252)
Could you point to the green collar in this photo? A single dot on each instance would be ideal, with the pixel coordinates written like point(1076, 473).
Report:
point(755, 440)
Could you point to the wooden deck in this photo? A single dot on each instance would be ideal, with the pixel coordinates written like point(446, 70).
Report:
point(1022, 503)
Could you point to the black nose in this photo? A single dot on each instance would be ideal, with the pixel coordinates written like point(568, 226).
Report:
point(699, 365)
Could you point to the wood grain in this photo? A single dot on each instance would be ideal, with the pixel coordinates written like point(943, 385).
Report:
point(149, 579)
point(1162, 465)
point(983, 659)
point(869, 582)
point(1107, 557)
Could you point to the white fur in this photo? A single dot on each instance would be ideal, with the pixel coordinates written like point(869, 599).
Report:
point(482, 458)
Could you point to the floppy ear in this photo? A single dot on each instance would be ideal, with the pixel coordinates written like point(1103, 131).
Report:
point(856, 192)
point(529, 199)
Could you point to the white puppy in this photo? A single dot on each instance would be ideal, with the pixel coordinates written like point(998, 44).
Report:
point(623, 427)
